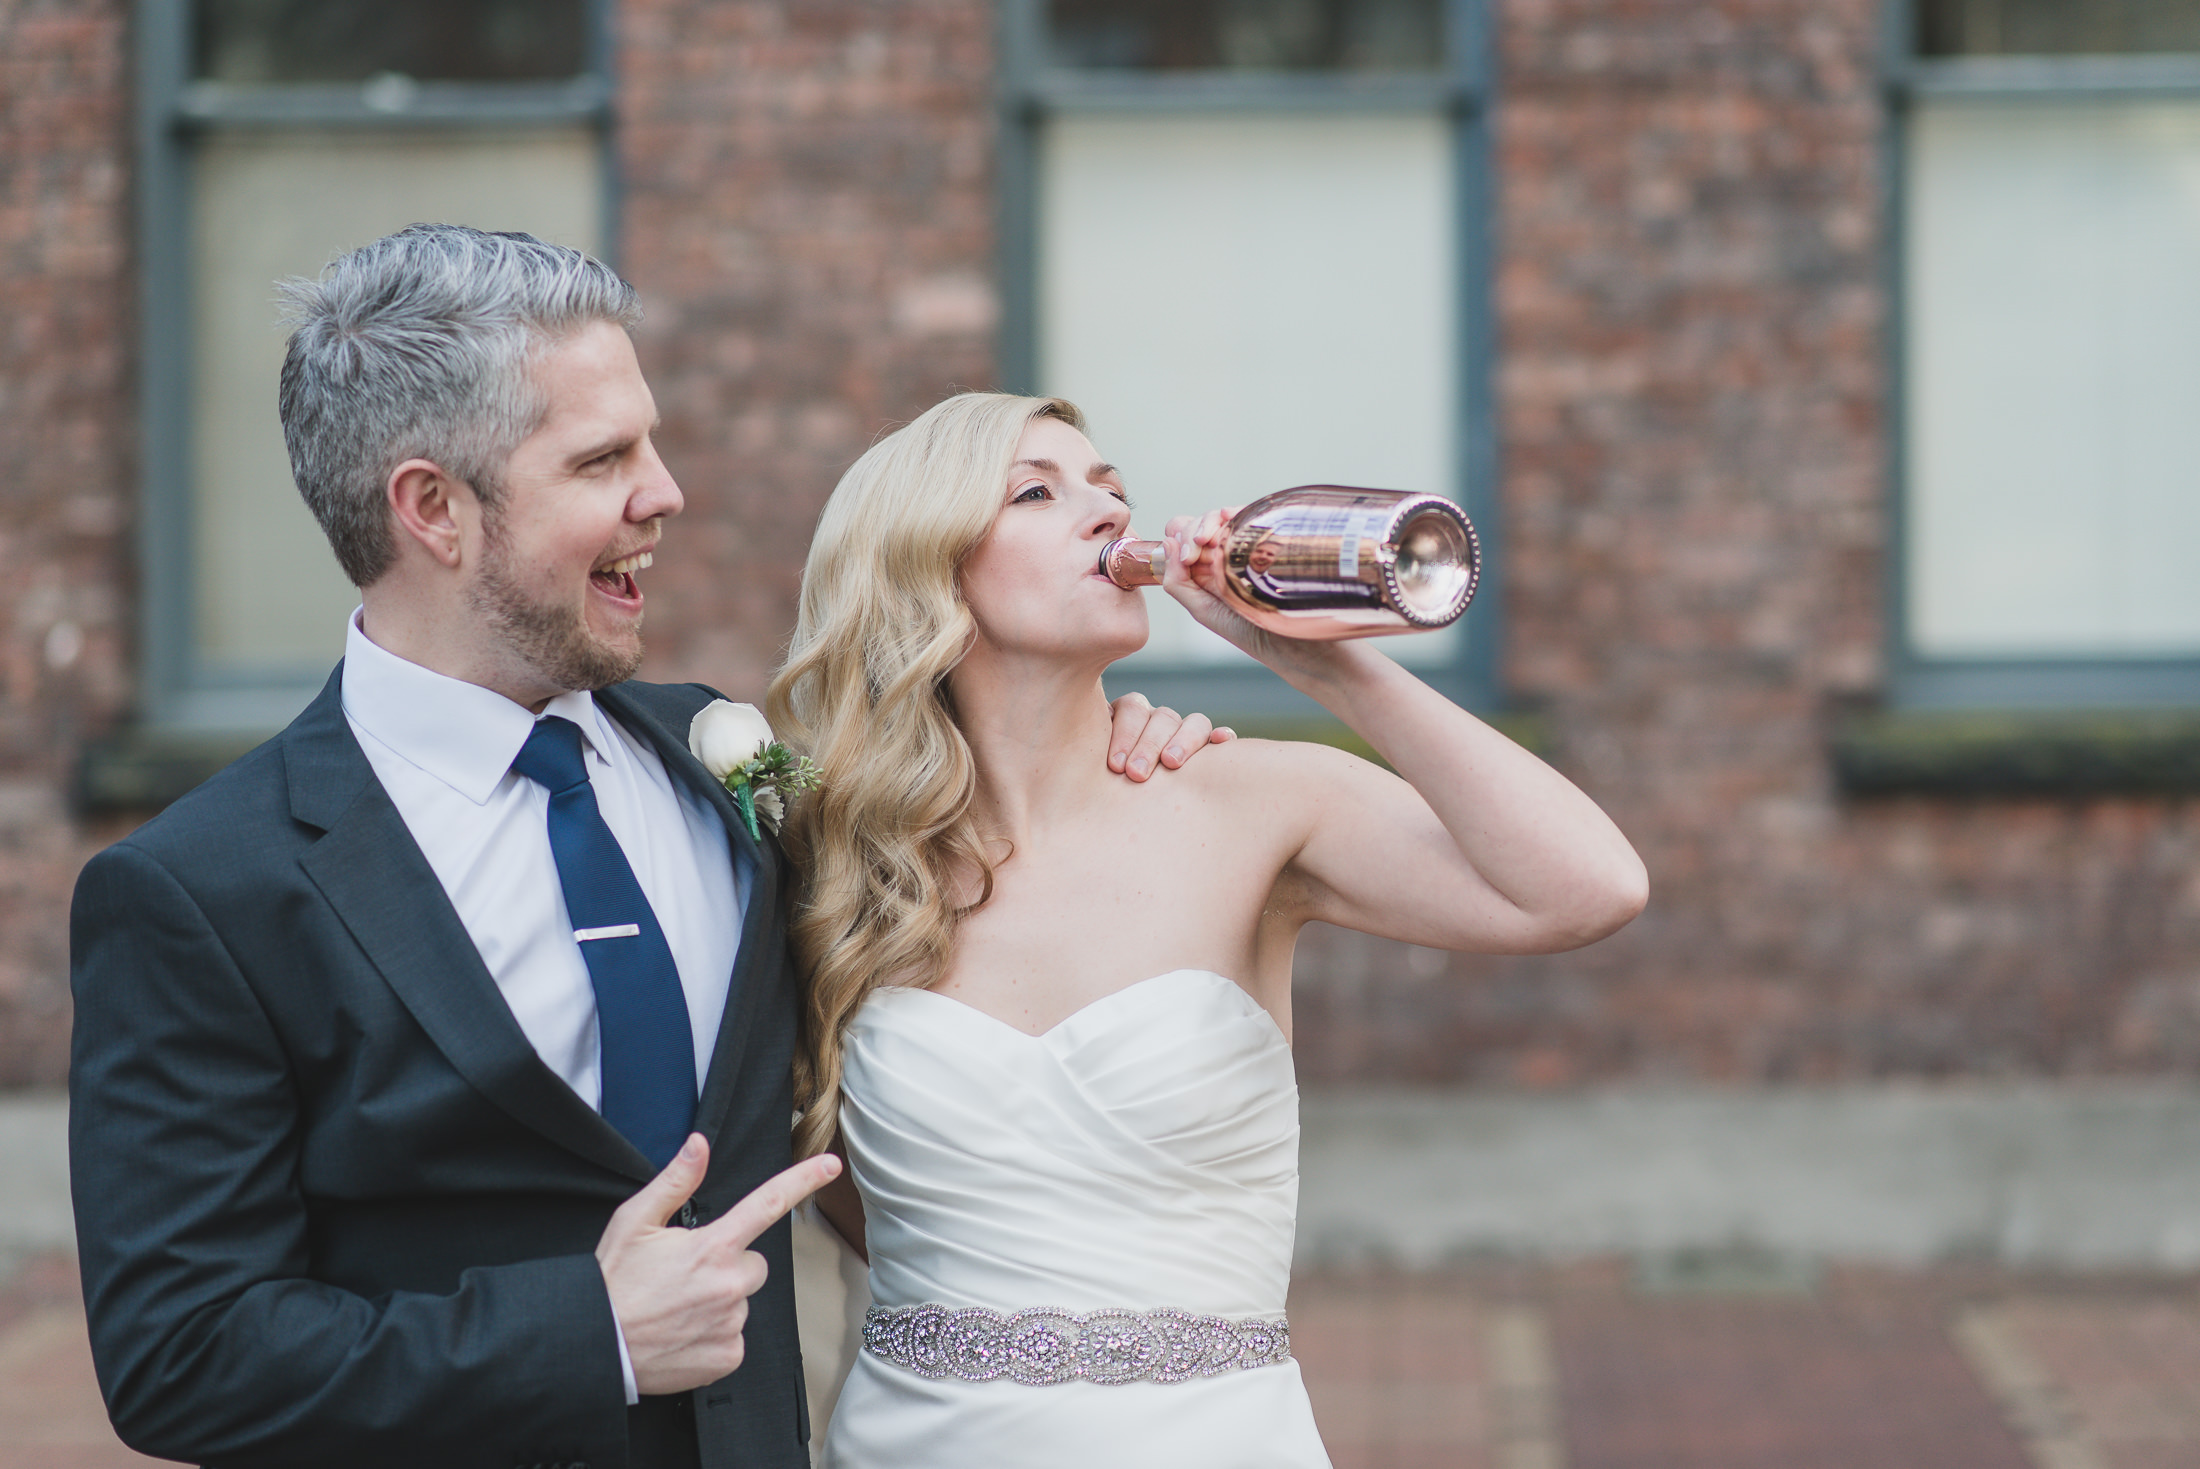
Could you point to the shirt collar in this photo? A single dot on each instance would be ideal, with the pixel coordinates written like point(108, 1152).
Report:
point(462, 734)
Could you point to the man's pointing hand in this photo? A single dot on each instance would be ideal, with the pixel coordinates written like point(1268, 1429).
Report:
point(682, 1295)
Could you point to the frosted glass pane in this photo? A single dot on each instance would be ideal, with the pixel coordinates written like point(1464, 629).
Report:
point(1242, 304)
point(268, 593)
point(2054, 379)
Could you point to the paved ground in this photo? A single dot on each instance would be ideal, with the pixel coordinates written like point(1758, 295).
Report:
point(1711, 1365)
point(1751, 1367)
point(50, 1413)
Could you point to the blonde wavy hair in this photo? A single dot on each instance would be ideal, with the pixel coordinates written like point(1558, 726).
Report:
point(887, 845)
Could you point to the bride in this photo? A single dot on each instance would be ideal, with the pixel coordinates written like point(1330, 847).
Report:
point(1049, 1010)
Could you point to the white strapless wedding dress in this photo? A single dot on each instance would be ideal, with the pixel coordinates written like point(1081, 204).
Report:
point(1140, 1156)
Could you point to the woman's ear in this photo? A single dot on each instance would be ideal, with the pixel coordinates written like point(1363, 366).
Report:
point(425, 503)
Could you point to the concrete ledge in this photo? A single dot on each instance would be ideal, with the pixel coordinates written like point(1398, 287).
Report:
point(1962, 753)
point(2079, 1176)
point(2076, 1176)
point(34, 1176)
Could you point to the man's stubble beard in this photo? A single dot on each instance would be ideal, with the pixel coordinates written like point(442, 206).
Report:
point(552, 639)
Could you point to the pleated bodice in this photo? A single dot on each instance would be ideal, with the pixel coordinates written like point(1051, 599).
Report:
point(1142, 1154)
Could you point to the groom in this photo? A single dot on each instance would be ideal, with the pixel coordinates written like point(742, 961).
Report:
point(430, 1099)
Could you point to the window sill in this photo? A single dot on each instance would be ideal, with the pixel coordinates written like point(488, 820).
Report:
point(2079, 753)
point(1529, 731)
point(139, 771)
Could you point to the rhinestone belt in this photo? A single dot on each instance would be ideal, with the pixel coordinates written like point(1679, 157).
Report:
point(1043, 1346)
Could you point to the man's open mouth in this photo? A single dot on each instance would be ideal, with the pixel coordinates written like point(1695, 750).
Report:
point(617, 579)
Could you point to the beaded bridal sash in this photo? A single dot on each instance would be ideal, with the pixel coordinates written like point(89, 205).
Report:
point(1042, 1346)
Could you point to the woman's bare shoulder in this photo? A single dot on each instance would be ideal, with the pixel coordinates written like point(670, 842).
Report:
point(1248, 768)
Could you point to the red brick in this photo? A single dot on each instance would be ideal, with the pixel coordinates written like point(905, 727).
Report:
point(1664, 1385)
point(67, 497)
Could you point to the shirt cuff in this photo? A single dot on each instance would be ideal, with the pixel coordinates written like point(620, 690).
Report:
point(626, 1363)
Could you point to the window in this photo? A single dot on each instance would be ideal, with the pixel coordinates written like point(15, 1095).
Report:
point(275, 135)
point(1246, 237)
point(2050, 263)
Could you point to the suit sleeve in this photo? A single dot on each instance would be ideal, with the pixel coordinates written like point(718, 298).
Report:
point(210, 1341)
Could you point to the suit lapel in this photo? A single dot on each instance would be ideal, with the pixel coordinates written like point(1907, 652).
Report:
point(763, 936)
point(373, 874)
point(671, 748)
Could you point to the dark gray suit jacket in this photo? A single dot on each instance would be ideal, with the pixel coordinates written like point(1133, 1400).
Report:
point(331, 1207)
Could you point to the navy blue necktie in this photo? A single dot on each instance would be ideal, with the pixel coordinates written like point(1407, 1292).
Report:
point(641, 1011)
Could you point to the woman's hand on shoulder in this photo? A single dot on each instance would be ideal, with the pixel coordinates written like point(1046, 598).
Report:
point(1145, 739)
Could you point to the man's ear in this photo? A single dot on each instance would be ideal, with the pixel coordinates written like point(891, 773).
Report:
point(425, 502)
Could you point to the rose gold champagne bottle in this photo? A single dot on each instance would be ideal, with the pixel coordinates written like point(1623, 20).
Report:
point(1324, 562)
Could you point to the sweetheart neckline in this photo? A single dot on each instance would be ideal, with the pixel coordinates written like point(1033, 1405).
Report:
point(1085, 1008)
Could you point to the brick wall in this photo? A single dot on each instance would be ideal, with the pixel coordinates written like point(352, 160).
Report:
point(65, 477)
point(806, 206)
point(808, 212)
point(1691, 305)
point(1691, 308)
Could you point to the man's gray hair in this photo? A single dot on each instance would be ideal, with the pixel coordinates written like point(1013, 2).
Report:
point(419, 346)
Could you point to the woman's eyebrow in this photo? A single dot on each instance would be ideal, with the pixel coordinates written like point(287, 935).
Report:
point(1093, 475)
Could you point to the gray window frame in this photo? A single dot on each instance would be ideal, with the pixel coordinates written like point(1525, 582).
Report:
point(178, 694)
point(1029, 92)
point(2016, 682)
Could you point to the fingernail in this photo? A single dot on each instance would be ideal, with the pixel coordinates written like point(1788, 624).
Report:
point(1172, 753)
point(1138, 766)
point(691, 1149)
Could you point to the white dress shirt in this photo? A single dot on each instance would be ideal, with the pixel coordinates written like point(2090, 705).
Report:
point(443, 750)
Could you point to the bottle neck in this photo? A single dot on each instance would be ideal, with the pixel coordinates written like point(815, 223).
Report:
point(1132, 563)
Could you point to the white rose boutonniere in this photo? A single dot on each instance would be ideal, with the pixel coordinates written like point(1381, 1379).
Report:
point(735, 744)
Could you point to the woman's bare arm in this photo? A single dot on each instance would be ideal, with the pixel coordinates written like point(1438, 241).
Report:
point(842, 1207)
point(1474, 844)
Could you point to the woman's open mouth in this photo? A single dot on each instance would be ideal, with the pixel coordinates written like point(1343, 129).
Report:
point(616, 581)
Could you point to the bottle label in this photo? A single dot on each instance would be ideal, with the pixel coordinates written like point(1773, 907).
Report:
point(1360, 525)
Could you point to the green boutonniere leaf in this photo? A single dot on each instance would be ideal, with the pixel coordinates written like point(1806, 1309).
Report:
point(765, 784)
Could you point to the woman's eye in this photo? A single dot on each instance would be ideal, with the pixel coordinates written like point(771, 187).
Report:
point(1027, 493)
